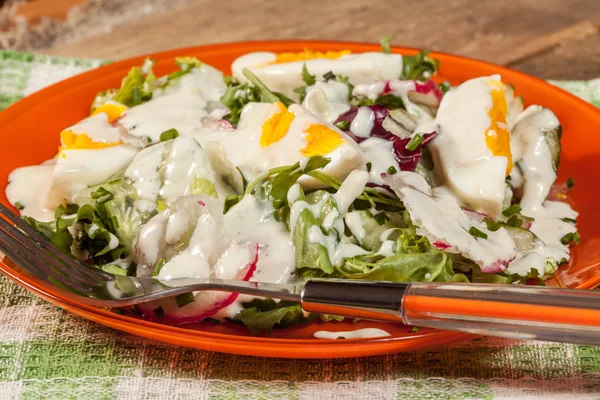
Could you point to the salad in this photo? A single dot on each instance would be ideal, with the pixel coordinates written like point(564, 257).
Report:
point(299, 165)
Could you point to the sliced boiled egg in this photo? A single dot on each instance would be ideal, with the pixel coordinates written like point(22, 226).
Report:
point(283, 72)
point(78, 168)
point(182, 111)
point(271, 135)
point(472, 153)
point(93, 132)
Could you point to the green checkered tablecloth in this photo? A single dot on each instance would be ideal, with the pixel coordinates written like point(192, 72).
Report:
point(47, 353)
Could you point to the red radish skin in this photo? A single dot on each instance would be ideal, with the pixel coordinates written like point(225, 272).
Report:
point(218, 300)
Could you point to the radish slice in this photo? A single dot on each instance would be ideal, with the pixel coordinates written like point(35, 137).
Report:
point(207, 303)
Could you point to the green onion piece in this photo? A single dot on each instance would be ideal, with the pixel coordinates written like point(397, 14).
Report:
point(184, 299)
point(514, 209)
point(571, 220)
point(342, 125)
point(570, 237)
point(168, 135)
point(392, 170)
point(414, 143)
point(329, 75)
point(307, 77)
point(385, 44)
point(158, 267)
point(415, 329)
point(101, 196)
point(19, 206)
point(369, 166)
point(570, 183)
point(477, 233)
point(159, 312)
point(266, 94)
point(492, 225)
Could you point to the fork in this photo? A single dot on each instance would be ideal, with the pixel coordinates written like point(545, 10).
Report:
point(522, 312)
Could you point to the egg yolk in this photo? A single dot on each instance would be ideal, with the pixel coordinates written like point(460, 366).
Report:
point(321, 140)
point(71, 140)
point(276, 126)
point(497, 136)
point(113, 110)
point(308, 55)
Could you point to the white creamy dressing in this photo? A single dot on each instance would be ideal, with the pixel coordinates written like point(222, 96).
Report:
point(535, 174)
point(531, 151)
point(462, 160)
point(194, 260)
point(97, 128)
point(182, 111)
point(363, 122)
point(387, 249)
point(350, 189)
point(167, 170)
point(354, 222)
point(252, 220)
point(19, 190)
point(76, 169)
point(380, 153)
point(285, 77)
point(327, 100)
point(205, 80)
point(356, 334)
point(439, 218)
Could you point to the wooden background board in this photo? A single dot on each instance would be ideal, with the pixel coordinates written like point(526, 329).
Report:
point(556, 39)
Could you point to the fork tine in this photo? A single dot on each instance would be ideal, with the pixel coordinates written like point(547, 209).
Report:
point(43, 241)
point(29, 260)
point(69, 272)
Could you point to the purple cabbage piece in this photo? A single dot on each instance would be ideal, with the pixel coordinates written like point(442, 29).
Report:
point(407, 160)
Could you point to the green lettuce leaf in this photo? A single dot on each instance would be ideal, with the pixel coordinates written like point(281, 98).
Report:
point(419, 67)
point(264, 315)
point(311, 258)
point(132, 91)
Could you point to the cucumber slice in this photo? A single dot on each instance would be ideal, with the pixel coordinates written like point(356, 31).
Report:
point(524, 238)
point(553, 140)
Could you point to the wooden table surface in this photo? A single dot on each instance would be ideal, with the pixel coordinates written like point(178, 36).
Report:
point(556, 39)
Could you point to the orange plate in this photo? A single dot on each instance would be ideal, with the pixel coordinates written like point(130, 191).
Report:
point(29, 135)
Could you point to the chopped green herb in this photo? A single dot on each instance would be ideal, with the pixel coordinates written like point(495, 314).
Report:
point(369, 166)
point(184, 299)
point(414, 143)
point(571, 220)
point(342, 125)
point(159, 312)
point(385, 44)
point(419, 67)
point(492, 225)
point(515, 221)
point(168, 135)
point(445, 87)
point(266, 95)
point(392, 170)
point(570, 237)
point(415, 329)
point(570, 183)
point(340, 338)
point(477, 233)
point(307, 77)
point(329, 75)
point(514, 209)
point(158, 267)
point(101, 196)
point(390, 100)
point(19, 206)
